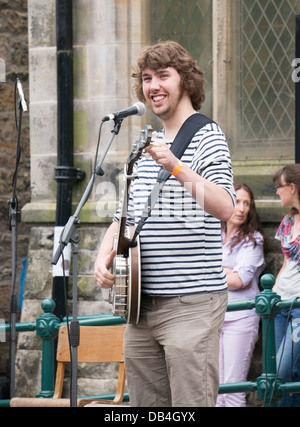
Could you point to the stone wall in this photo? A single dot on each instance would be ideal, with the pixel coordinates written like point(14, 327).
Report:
point(101, 75)
point(14, 53)
point(91, 301)
point(101, 29)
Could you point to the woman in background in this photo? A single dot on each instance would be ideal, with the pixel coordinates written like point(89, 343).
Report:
point(243, 262)
point(287, 185)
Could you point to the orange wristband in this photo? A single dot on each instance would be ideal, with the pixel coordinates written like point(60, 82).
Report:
point(178, 169)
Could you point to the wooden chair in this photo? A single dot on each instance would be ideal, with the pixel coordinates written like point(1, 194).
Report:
point(98, 344)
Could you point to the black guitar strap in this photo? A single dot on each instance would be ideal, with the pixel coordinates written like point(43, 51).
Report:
point(180, 143)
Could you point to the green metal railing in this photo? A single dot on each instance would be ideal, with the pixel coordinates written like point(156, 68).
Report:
point(269, 386)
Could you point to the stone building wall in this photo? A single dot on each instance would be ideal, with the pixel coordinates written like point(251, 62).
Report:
point(101, 75)
point(14, 53)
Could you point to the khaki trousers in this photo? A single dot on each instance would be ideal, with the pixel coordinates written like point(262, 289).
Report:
point(172, 355)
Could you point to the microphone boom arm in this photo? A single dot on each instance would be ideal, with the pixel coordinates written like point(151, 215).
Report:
point(74, 219)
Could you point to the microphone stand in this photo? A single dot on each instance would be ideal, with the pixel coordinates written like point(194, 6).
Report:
point(14, 218)
point(71, 234)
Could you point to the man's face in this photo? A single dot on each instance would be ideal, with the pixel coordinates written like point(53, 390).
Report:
point(162, 90)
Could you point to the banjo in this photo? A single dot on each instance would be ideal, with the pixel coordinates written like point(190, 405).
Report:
point(126, 291)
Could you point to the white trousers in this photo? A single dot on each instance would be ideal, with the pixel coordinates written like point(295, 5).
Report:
point(237, 342)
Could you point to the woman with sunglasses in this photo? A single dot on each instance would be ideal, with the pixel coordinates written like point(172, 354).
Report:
point(287, 285)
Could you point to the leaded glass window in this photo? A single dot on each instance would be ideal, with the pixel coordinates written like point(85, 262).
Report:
point(260, 47)
point(188, 22)
point(264, 98)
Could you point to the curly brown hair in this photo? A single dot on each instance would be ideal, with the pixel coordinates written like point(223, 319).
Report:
point(171, 54)
point(252, 223)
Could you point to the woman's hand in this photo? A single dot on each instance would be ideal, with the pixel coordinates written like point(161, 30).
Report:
point(234, 282)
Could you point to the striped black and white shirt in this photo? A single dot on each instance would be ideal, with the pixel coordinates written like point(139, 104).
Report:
point(181, 251)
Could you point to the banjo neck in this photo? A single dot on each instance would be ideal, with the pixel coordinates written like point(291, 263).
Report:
point(123, 242)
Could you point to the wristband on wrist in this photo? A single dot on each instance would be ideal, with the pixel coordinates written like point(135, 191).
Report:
point(178, 169)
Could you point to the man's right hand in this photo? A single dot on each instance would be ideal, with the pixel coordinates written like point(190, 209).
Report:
point(103, 277)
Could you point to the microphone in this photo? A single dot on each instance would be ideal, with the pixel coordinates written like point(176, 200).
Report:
point(137, 109)
point(21, 95)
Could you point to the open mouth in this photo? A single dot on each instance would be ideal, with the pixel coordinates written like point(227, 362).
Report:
point(158, 98)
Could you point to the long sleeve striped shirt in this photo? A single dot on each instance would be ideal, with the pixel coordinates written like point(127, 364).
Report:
point(181, 250)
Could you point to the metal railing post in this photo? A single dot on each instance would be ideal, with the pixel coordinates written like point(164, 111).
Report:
point(47, 327)
point(268, 384)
